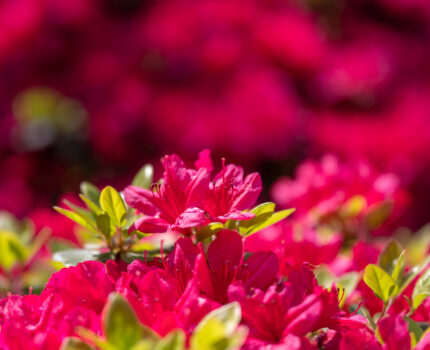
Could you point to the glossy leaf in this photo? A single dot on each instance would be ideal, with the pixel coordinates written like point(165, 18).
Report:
point(91, 205)
point(380, 282)
point(219, 330)
point(399, 268)
point(78, 218)
point(91, 192)
point(209, 230)
point(173, 341)
point(144, 176)
point(112, 203)
point(262, 212)
point(268, 221)
point(103, 224)
point(414, 329)
point(72, 343)
point(121, 326)
point(12, 251)
point(412, 273)
point(422, 289)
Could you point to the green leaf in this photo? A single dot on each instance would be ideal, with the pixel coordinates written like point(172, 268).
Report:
point(144, 177)
point(145, 344)
point(377, 214)
point(422, 289)
point(399, 268)
point(72, 343)
point(380, 282)
point(354, 206)
point(415, 330)
point(273, 219)
point(72, 257)
point(112, 203)
point(389, 255)
point(121, 326)
point(103, 224)
point(262, 213)
point(173, 341)
point(219, 330)
point(12, 251)
point(92, 206)
point(391, 251)
point(91, 192)
point(209, 230)
point(76, 217)
point(412, 273)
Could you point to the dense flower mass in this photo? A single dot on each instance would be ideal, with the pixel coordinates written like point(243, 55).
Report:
point(228, 274)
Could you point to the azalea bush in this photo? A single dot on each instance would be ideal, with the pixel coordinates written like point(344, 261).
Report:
point(193, 261)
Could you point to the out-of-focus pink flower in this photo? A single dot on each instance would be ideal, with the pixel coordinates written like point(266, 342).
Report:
point(328, 190)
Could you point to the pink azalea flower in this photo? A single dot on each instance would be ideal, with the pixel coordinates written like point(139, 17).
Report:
point(394, 331)
point(173, 204)
point(158, 304)
point(288, 308)
point(230, 194)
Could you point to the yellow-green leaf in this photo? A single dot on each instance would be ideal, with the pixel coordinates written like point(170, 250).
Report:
point(121, 325)
point(380, 282)
point(422, 289)
point(72, 343)
point(112, 203)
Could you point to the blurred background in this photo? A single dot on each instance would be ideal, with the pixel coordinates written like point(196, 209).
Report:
point(93, 89)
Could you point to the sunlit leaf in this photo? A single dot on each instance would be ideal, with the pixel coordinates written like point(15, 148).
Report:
point(421, 289)
point(209, 230)
point(219, 330)
point(72, 343)
point(103, 224)
point(173, 341)
point(380, 282)
point(78, 218)
point(112, 203)
point(91, 192)
point(269, 221)
point(121, 325)
point(389, 254)
point(12, 251)
point(144, 177)
point(415, 331)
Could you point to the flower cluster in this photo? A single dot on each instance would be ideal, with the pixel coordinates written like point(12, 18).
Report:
point(232, 275)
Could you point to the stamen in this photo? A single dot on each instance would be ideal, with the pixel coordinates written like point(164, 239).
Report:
point(358, 308)
point(343, 294)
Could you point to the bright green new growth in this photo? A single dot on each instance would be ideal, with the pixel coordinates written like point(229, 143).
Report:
point(380, 282)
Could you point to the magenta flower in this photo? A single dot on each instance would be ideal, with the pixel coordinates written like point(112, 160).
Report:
point(288, 308)
point(156, 299)
point(73, 297)
point(230, 194)
point(174, 203)
point(224, 264)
